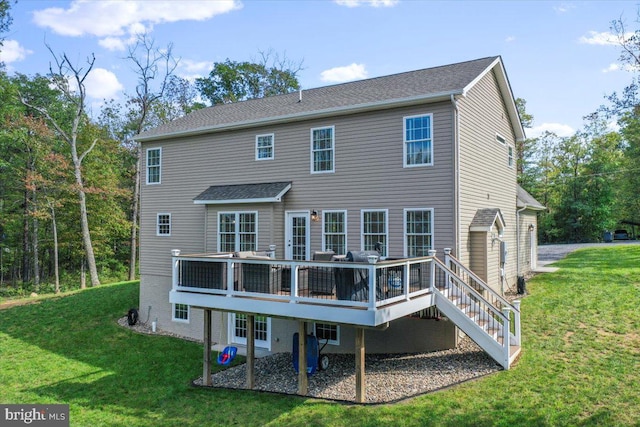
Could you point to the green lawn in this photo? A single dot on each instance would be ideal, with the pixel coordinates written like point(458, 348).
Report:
point(580, 363)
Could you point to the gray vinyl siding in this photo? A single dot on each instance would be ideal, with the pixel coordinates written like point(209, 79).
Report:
point(369, 174)
point(486, 180)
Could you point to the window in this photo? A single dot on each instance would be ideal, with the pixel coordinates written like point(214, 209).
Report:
point(325, 332)
point(334, 231)
point(154, 161)
point(237, 231)
point(418, 144)
point(322, 150)
point(264, 147)
point(374, 230)
point(180, 313)
point(418, 232)
point(501, 139)
point(163, 224)
point(510, 160)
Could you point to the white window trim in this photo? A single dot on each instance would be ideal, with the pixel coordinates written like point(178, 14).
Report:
point(158, 225)
point(346, 234)
point(501, 139)
point(159, 166)
point(243, 341)
point(386, 227)
point(273, 147)
point(333, 149)
point(237, 233)
point(404, 141)
point(404, 228)
point(330, 342)
point(178, 320)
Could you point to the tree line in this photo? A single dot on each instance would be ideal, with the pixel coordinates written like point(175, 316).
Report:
point(589, 181)
point(69, 181)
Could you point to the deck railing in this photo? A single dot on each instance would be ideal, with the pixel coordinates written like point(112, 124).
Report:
point(326, 282)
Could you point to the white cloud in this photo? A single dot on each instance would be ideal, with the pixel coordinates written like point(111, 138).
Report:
point(611, 67)
point(344, 74)
point(103, 84)
point(563, 8)
point(374, 3)
point(601, 39)
point(557, 128)
point(110, 20)
point(196, 67)
point(510, 39)
point(11, 51)
point(191, 70)
point(113, 43)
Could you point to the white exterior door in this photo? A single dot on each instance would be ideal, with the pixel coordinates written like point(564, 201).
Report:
point(297, 236)
point(533, 250)
point(262, 330)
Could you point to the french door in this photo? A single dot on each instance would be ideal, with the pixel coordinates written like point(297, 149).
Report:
point(297, 235)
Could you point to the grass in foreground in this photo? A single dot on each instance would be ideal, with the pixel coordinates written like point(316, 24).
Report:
point(579, 366)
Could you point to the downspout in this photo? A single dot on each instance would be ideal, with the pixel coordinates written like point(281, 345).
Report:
point(518, 239)
point(456, 178)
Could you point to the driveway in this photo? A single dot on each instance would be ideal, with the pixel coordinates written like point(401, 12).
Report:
point(551, 253)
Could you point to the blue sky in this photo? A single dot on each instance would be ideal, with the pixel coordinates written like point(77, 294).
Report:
point(560, 56)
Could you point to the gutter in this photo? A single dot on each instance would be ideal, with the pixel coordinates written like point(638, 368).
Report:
point(328, 112)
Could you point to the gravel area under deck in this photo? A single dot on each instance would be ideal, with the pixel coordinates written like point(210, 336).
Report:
point(388, 378)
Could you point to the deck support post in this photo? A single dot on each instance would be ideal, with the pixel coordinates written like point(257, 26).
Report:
point(360, 353)
point(206, 365)
point(303, 382)
point(251, 351)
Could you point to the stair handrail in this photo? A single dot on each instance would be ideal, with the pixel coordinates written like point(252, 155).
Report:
point(500, 316)
point(459, 265)
point(471, 290)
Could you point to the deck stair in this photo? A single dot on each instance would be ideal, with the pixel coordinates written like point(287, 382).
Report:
point(480, 312)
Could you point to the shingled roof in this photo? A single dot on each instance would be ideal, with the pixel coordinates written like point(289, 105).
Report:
point(243, 193)
point(484, 219)
point(526, 200)
point(431, 84)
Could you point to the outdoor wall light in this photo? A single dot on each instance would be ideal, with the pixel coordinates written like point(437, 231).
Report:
point(531, 227)
point(314, 216)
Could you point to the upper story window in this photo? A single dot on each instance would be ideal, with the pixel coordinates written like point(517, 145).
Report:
point(418, 140)
point(163, 224)
point(334, 231)
point(154, 164)
point(237, 231)
point(418, 232)
point(501, 139)
point(374, 230)
point(265, 147)
point(510, 160)
point(322, 150)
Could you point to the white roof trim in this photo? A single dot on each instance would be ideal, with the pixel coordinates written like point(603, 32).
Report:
point(510, 101)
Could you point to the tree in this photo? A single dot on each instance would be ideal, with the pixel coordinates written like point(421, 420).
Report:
point(526, 150)
point(69, 129)
point(232, 81)
point(5, 18)
point(150, 64)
